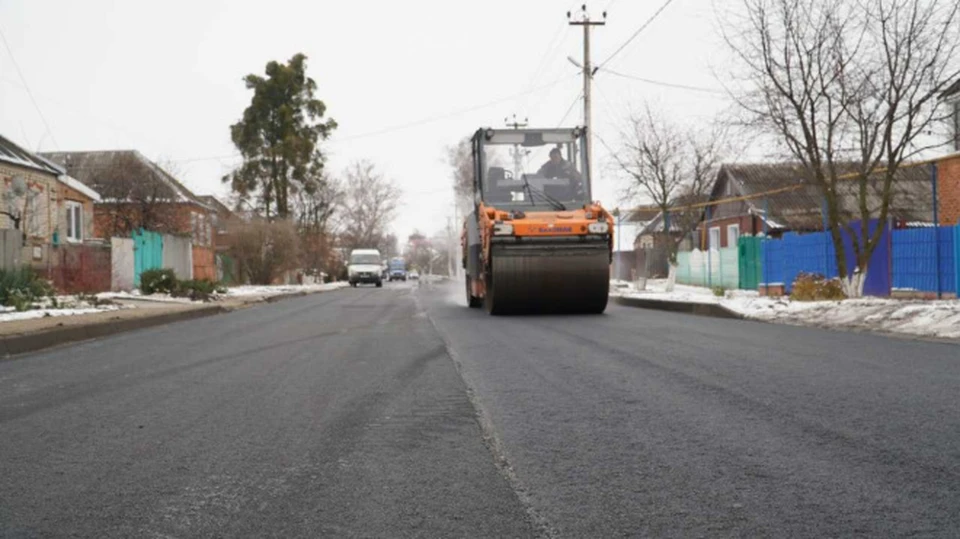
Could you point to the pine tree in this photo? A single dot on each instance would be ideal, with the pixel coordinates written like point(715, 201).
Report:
point(279, 136)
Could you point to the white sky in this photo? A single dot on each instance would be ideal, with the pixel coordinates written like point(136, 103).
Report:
point(165, 78)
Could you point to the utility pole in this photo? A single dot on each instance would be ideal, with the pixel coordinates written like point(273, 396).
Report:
point(516, 124)
point(588, 72)
point(516, 153)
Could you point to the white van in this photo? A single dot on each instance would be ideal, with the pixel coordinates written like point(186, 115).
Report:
point(365, 267)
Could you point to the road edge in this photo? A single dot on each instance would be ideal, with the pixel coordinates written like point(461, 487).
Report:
point(701, 309)
point(488, 433)
point(14, 346)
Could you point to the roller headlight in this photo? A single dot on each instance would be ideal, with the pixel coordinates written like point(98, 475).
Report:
point(598, 228)
point(502, 229)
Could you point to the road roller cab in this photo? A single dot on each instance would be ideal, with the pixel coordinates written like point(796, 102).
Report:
point(536, 241)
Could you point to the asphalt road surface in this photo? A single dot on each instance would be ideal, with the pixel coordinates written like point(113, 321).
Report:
point(398, 412)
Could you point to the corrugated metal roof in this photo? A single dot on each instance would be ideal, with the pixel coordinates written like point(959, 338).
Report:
point(118, 174)
point(800, 209)
point(14, 154)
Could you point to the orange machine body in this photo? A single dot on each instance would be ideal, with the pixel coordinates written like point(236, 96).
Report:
point(539, 224)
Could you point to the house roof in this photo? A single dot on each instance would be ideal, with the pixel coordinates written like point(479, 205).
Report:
point(215, 203)
point(14, 154)
point(643, 214)
point(78, 186)
point(655, 225)
point(103, 170)
point(800, 208)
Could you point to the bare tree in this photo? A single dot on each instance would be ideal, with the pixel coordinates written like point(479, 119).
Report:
point(850, 89)
point(264, 250)
point(315, 204)
point(460, 159)
point(369, 205)
point(673, 168)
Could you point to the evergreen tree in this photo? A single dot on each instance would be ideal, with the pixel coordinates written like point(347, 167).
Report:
point(279, 136)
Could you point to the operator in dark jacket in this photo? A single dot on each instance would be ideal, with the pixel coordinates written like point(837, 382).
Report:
point(558, 167)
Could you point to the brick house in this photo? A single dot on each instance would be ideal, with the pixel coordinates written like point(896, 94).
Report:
point(948, 167)
point(792, 204)
point(223, 221)
point(653, 233)
point(53, 209)
point(137, 193)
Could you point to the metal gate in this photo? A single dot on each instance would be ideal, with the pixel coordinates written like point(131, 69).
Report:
point(147, 253)
point(749, 261)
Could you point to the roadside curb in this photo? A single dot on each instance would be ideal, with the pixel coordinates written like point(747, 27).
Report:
point(15, 345)
point(701, 309)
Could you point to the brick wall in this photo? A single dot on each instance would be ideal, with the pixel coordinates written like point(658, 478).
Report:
point(948, 189)
point(747, 224)
point(171, 218)
point(81, 268)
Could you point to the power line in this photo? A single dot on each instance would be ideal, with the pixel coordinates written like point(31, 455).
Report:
point(454, 114)
point(635, 34)
point(665, 84)
point(572, 105)
point(26, 86)
point(409, 125)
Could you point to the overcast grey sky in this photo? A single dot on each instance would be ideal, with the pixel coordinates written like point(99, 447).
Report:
point(403, 79)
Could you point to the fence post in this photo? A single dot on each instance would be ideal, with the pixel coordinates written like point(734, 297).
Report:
point(709, 254)
point(936, 228)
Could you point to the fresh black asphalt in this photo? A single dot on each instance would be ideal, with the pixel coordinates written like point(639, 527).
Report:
point(398, 412)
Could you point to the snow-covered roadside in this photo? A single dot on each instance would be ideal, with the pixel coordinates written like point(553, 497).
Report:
point(137, 296)
point(63, 306)
point(250, 290)
point(912, 317)
point(246, 291)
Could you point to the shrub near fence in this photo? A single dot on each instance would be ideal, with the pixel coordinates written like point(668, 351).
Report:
point(904, 259)
point(794, 254)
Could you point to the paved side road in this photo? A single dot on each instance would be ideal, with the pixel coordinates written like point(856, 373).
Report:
point(646, 423)
point(332, 415)
point(344, 414)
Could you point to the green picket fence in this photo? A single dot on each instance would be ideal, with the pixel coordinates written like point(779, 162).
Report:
point(730, 268)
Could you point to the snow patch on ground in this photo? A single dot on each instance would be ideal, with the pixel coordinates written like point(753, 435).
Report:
point(137, 296)
point(246, 291)
point(251, 290)
point(62, 306)
point(939, 318)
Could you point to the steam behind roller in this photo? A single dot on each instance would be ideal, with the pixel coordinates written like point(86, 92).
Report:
point(535, 242)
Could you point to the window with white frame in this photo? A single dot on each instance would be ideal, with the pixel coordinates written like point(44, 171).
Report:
point(733, 235)
point(74, 221)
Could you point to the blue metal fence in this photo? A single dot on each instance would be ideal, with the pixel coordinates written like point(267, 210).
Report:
point(786, 258)
point(771, 252)
point(917, 264)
